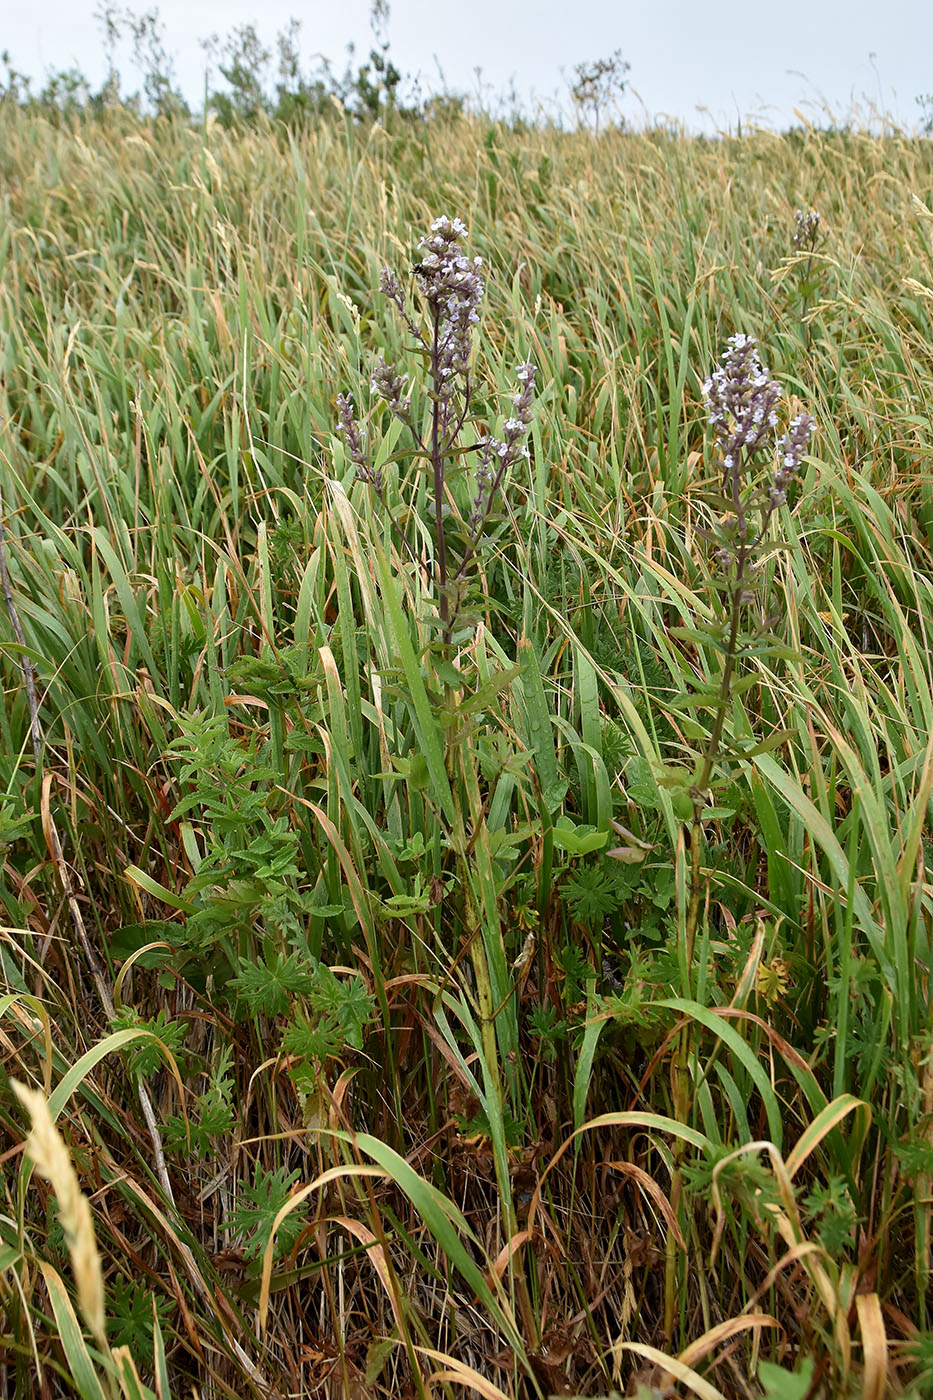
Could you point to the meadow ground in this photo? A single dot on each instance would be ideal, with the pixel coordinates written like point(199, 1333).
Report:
point(515, 988)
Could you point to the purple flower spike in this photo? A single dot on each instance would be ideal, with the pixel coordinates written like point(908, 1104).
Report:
point(497, 456)
point(453, 288)
point(793, 449)
point(807, 229)
point(742, 399)
point(354, 436)
point(390, 387)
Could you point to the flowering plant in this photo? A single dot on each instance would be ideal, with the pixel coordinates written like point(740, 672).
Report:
point(807, 229)
point(444, 431)
point(451, 288)
point(742, 401)
point(756, 464)
point(808, 226)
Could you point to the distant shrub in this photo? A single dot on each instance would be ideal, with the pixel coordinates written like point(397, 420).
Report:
point(599, 86)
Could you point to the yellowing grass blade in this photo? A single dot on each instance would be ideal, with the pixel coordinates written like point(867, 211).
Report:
point(675, 1368)
point(874, 1346)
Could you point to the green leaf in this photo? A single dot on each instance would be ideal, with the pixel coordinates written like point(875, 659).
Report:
point(539, 732)
point(774, 741)
point(165, 896)
point(742, 1051)
point(578, 840)
point(785, 1385)
point(823, 833)
point(79, 1071)
point(427, 727)
point(129, 938)
point(128, 1376)
point(268, 984)
point(83, 1372)
point(377, 1354)
point(594, 1028)
point(446, 1223)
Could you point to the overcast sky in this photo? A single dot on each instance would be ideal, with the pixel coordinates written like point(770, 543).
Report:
point(732, 59)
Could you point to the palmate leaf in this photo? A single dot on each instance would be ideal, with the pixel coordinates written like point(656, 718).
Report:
point(134, 1313)
point(260, 1204)
point(268, 984)
point(166, 1037)
point(346, 1000)
point(313, 1040)
point(591, 894)
point(333, 1015)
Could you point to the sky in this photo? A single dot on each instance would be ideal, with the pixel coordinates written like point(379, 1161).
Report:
point(709, 66)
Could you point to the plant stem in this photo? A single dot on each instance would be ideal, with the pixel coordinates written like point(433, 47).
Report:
point(680, 1068)
point(710, 755)
point(437, 462)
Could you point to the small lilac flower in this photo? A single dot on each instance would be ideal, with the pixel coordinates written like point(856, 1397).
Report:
point(484, 483)
point(350, 429)
point(796, 441)
point(792, 449)
point(390, 286)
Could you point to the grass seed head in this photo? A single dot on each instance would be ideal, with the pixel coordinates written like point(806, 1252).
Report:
point(46, 1147)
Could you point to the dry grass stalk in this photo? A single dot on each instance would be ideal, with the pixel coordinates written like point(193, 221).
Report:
point(46, 1147)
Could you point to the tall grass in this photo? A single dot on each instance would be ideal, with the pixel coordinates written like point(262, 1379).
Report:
point(295, 835)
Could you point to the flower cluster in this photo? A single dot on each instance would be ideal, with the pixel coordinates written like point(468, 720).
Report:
point(389, 386)
point(498, 455)
point(354, 436)
point(390, 286)
point(441, 326)
point(793, 448)
point(742, 400)
point(453, 288)
point(807, 229)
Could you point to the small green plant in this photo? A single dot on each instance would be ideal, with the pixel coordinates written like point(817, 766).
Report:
point(134, 1317)
point(259, 1205)
point(248, 858)
point(211, 1114)
point(149, 1055)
